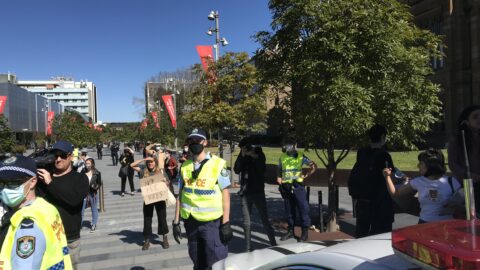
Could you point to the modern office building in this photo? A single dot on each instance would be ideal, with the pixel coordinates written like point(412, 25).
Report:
point(80, 96)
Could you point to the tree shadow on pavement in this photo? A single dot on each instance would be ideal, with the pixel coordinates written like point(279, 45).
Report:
point(130, 237)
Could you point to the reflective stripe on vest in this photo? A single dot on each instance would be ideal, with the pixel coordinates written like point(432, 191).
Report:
point(291, 168)
point(202, 197)
point(47, 218)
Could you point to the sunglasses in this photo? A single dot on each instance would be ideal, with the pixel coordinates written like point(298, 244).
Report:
point(61, 155)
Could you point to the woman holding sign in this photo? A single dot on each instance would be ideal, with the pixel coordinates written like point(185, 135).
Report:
point(153, 167)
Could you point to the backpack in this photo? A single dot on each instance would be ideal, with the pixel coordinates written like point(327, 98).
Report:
point(361, 176)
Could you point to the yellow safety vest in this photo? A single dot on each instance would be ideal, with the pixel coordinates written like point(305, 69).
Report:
point(202, 197)
point(48, 220)
point(291, 168)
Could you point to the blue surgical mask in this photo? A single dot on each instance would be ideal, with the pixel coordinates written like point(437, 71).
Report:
point(13, 197)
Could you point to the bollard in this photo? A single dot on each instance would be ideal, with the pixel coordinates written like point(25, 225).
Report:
point(336, 198)
point(320, 210)
point(308, 195)
point(102, 203)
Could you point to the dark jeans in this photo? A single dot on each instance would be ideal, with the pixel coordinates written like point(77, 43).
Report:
point(115, 159)
point(369, 220)
point(130, 182)
point(257, 199)
point(297, 200)
point(161, 209)
point(99, 154)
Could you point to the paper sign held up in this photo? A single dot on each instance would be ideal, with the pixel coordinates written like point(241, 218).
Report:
point(154, 188)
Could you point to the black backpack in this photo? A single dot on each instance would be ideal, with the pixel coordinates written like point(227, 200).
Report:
point(360, 182)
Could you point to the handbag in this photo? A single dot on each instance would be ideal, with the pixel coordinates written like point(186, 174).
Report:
point(171, 200)
point(123, 171)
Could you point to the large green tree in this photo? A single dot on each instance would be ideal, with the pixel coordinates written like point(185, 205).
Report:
point(233, 100)
point(70, 126)
point(7, 140)
point(350, 64)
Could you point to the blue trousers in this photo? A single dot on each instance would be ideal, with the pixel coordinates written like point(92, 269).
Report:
point(93, 198)
point(297, 200)
point(204, 244)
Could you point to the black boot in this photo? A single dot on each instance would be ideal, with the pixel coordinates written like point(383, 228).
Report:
point(304, 236)
point(247, 239)
point(288, 235)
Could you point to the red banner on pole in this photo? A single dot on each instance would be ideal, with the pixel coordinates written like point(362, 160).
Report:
point(206, 55)
point(50, 117)
point(3, 101)
point(167, 99)
point(155, 119)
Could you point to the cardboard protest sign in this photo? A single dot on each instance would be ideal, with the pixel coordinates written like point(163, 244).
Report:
point(154, 188)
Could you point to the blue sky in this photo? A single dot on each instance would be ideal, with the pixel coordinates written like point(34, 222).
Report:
point(119, 44)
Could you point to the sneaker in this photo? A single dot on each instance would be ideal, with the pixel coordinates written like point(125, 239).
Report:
point(132, 193)
point(123, 194)
point(92, 229)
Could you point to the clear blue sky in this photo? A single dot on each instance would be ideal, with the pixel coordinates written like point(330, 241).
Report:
point(119, 44)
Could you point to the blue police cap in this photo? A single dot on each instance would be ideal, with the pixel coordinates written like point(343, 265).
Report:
point(198, 134)
point(63, 146)
point(17, 168)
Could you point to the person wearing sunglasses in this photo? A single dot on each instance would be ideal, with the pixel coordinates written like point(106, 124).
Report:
point(32, 234)
point(66, 189)
point(204, 204)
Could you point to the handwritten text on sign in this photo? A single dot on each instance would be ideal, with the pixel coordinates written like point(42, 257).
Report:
point(154, 189)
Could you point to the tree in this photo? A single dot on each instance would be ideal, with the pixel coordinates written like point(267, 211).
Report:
point(350, 64)
point(70, 126)
point(235, 100)
point(7, 140)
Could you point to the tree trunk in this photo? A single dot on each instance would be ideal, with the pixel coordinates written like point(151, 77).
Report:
point(332, 194)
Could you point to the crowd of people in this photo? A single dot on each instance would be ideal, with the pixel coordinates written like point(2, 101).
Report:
point(42, 210)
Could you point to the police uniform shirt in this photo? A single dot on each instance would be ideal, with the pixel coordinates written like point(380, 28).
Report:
point(223, 179)
point(29, 246)
point(305, 161)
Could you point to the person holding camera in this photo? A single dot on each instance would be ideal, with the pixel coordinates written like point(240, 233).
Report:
point(126, 171)
point(95, 181)
point(32, 234)
point(203, 204)
point(153, 168)
point(66, 189)
point(291, 186)
point(251, 166)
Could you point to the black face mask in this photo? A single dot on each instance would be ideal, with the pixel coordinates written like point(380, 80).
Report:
point(195, 148)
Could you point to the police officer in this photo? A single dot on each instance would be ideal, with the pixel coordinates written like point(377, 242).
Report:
point(204, 204)
point(34, 238)
point(290, 180)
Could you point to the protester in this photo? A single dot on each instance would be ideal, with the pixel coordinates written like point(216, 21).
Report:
point(153, 168)
point(99, 150)
point(32, 237)
point(469, 122)
point(66, 189)
point(372, 201)
point(291, 186)
point(184, 156)
point(95, 182)
point(204, 204)
point(114, 148)
point(171, 164)
point(251, 166)
point(126, 171)
point(434, 187)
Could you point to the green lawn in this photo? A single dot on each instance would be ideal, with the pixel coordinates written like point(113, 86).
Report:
point(406, 161)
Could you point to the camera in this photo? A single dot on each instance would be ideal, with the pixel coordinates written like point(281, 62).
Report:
point(157, 148)
point(46, 162)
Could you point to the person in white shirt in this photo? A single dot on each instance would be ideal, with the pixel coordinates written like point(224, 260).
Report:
point(434, 187)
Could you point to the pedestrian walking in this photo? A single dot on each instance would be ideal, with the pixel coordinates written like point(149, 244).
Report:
point(291, 186)
point(99, 150)
point(95, 181)
point(114, 148)
point(251, 166)
point(66, 189)
point(32, 234)
point(372, 202)
point(126, 171)
point(204, 204)
point(469, 123)
point(153, 167)
point(435, 189)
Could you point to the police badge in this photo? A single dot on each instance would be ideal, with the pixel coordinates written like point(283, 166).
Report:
point(25, 246)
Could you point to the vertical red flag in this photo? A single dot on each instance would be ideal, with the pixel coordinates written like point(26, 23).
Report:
point(50, 117)
point(3, 101)
point(155, 119)
point(206, 55)
point(167, 99)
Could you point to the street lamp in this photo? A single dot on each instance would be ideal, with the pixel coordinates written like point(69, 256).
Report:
point(174, 96)
point(214, 16)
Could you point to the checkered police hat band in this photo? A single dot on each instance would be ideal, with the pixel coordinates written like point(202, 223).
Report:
point(17, 169)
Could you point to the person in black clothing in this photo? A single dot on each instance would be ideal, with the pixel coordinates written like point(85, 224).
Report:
point(374, 209)
point(114, 148)
point(250, 164)
point(126, 171)
point(99, 150)
point(66, 189)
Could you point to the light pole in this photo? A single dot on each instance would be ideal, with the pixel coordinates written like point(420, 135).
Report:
point(174, 96)
point(214, 16)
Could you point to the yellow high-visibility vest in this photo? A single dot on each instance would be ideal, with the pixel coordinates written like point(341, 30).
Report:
point(47, 218)
point(291, 168)
point(202, 197)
